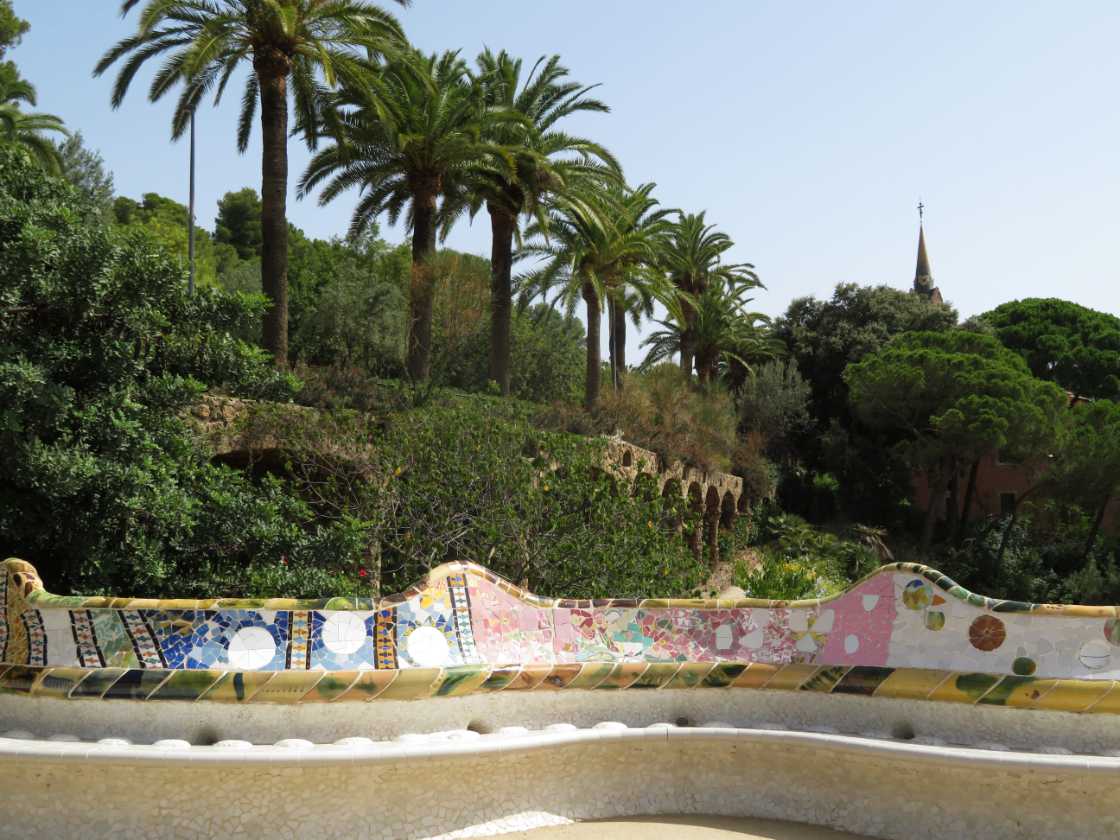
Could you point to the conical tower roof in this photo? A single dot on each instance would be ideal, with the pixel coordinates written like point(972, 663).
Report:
point(923, 277)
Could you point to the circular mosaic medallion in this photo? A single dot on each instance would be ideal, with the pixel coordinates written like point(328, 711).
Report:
point(935, 620)
point(343, 633)
point(917, 595)
point(251, 648)
point(1095, 655)
point(427, 647)
point(1112, 631)
point(987, 633)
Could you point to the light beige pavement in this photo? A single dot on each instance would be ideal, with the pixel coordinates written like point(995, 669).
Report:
point(684, 828)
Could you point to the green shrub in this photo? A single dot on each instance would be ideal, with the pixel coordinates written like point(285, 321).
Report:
point(101, 351)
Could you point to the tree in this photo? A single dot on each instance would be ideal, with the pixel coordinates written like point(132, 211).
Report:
point(1063, 342)
point(27, 130)
point(714, 325)
point(407, 136)
point(12, 28)
point(301, 43)
point(164, 222)
point(546, 161)
point(945, 399)
point(694, 257)
point(825, 336)
point(239, 222)
point(774, 403)
point(598, 240)
point(85, 169)
point(1087, 466)
point(101, 352)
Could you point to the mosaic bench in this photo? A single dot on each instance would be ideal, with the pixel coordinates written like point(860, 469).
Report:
point(905, 707)
point(906, 631)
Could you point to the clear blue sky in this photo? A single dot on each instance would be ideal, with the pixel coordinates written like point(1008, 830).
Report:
point(807, 130)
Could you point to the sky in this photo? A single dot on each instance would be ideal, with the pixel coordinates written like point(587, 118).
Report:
point(809, 131)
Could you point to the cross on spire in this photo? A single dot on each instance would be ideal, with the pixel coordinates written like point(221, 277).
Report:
point(921, 209)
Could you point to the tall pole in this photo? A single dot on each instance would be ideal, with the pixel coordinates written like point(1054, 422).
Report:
point(190, 219)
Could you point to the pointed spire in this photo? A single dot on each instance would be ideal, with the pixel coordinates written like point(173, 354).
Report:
point(923, 276)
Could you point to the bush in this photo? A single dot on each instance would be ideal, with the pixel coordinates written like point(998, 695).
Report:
point(534, 506)
point(797, 560)
point(547, 352)
point(101, 351)
point(661, 411)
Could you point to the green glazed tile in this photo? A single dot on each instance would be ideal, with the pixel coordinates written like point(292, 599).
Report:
point(187, 685)
point(97, 683)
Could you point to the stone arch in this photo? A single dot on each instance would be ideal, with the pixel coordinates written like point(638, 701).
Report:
point(673, 497)
point(711, 523)
point(727, 510)
point(627, 459)
point(744, 503)
point(696, 509)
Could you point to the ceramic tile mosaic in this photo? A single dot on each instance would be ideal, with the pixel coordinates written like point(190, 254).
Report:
point(905, 631)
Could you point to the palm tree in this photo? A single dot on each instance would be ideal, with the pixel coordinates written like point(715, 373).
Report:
point(694, 254)
point(407, 136)
point(597, 241)
point(289, 43)
point(716, 324)
point(546, 162)
point(25, 129)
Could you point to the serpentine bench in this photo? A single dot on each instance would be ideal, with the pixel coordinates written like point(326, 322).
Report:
point(832, 711)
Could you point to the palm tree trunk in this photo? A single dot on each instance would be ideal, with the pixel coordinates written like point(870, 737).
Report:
point(272, 74)
point(619, 330)
point(421, 287)
point(501, 294)
point(611, 306)
point(594, 350)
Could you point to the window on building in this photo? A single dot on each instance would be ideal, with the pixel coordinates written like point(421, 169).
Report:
point(1006, 504)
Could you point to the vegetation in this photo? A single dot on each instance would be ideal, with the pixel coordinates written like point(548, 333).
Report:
point(450, 422)
point(1060, 341)
point(298, 43)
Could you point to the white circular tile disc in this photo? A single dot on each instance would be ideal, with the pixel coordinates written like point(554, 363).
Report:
point(251, 648)
point(343, 633)
point(427, 647)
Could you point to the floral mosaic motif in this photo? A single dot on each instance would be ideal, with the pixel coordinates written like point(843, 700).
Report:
point(987, 633)
point(488, 634)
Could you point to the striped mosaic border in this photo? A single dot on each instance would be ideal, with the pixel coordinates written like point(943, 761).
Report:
point(34, 595)
point(294, 687)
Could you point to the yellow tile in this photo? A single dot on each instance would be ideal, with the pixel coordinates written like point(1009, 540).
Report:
point(236, 686)
point(367, 686)
point(1109, 704)
point(528, 678)
point(591, 674)
point(623, 675)
point(1029, 695)
point(756, 676)
point(690, 675)
point(911, 683)
point(790, 677)
point(1074, 695)
point(561, 676)
point(411, 684)
point(332, 686)
point(964, 688)
point(288, 687)
point(463, 680)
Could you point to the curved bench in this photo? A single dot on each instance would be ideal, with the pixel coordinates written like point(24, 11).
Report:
point(828, 711)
